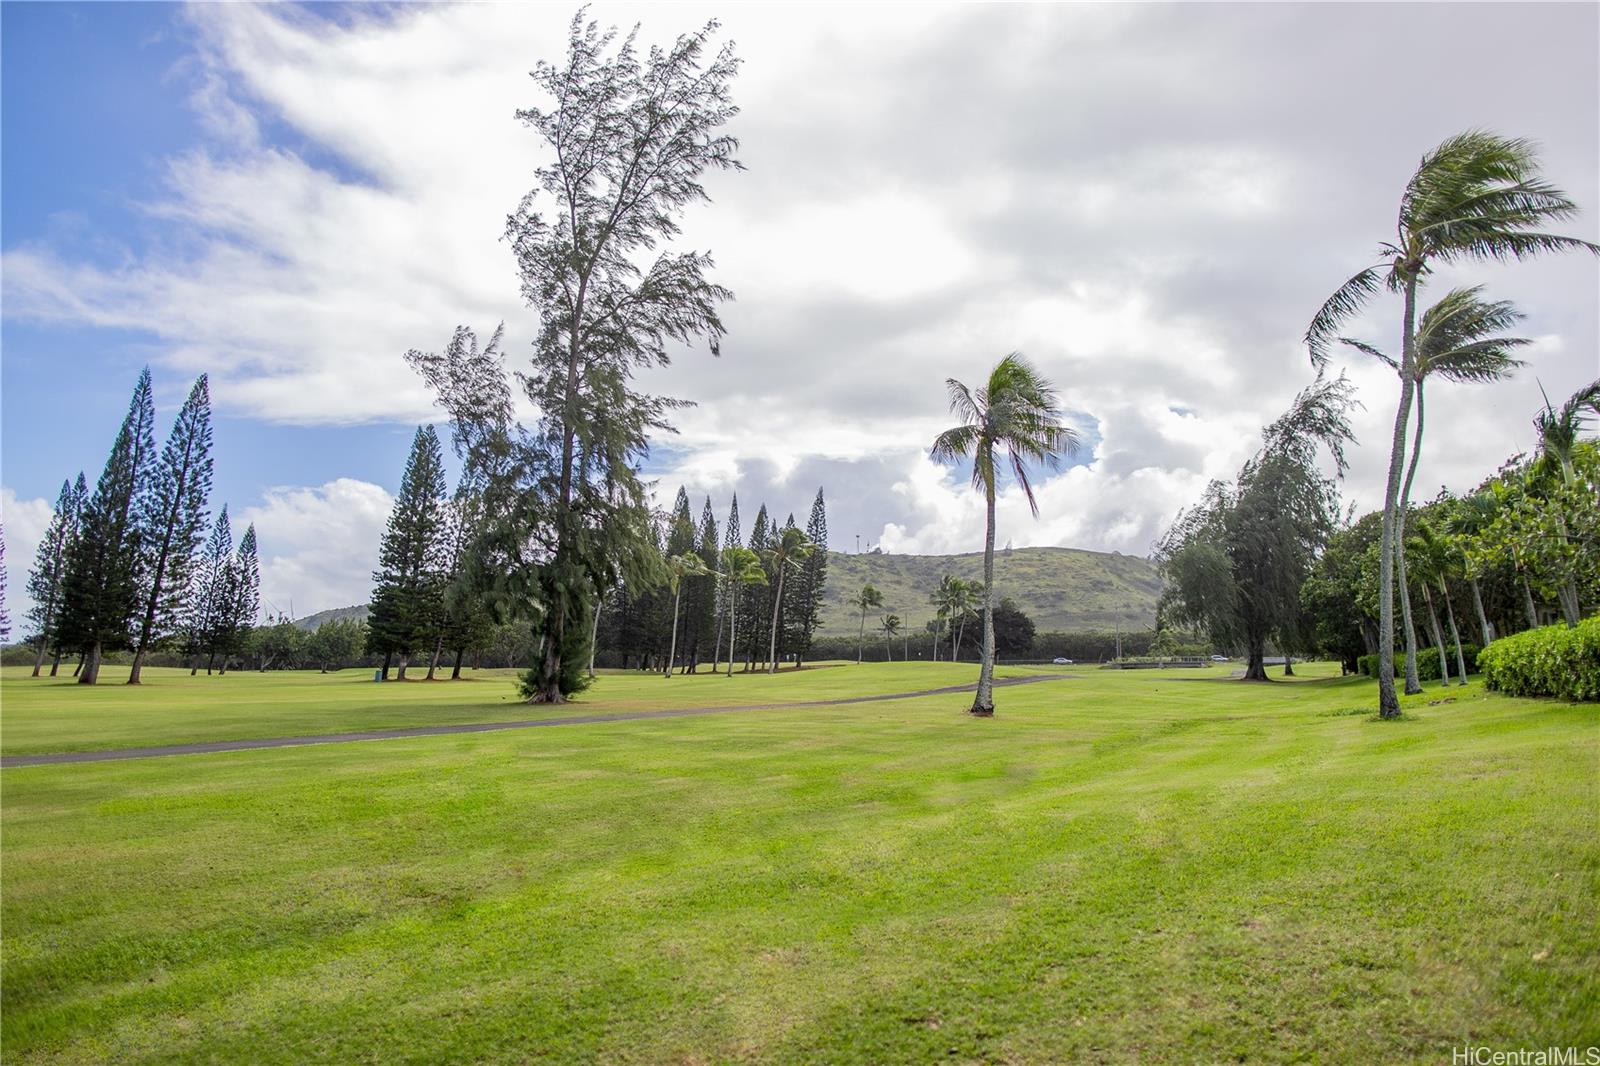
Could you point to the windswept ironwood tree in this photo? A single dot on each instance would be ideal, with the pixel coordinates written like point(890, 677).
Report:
point(1017, 410)
point(1476, 197)
point(629, 139)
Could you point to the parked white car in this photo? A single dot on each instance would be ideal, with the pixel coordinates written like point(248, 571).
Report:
point(1219, 658)
point(1062, 662)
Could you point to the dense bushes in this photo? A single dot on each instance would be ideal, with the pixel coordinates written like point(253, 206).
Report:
point(1427, 662)
point(1553, 661)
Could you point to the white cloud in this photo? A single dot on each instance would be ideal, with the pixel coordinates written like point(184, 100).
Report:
point(1150, 204)
point(319, 545)
point(25, 522)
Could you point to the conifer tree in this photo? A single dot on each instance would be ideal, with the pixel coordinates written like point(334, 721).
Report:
point(408, 591)
point(242, 598)
point(209, 595)
point(731, 538)
point(103, 570)
point(5, 612)
point(811, 582)
point(705, 600)
point(755, 604)
point(172, 519)
point(45, 583)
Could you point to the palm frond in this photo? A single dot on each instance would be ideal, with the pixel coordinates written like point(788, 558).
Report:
point(1342, 305)
point(1368, 349)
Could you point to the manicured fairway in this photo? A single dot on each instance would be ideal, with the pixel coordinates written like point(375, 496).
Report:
point(1119, 867)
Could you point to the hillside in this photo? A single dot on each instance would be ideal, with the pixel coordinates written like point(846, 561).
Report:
point(1059, 588)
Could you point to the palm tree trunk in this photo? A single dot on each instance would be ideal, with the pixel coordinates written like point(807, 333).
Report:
point(1483, 619)
point(1413, 684)
point(777, 608)
point(983, 702)
point(1455, 634)
point(1527, 602)
point(733, 615)
point(1438, 637)
point(716, 652)
point(861, 637)
point(1388, 702)
point(673, 654)
point(594, 635)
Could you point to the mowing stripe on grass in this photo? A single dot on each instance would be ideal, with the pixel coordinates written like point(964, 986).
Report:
point(56, 758)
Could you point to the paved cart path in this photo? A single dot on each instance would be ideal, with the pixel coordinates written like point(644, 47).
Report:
point(112, 754)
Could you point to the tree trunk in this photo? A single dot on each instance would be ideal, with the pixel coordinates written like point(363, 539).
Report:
point(716, 649)
point(388, 659)
point(211, 659)
point(455, 671)
point(777, 609)
point(1256, 662)
point(55, 664)
point(405, 660)
point(1413, 683)
point(983, 702)
point(674, 652)
point(594, 638)
point(861, 637)
point(733, 623)
point(1483, 619)
point(1527, 597)
point(1455, 634)
point(38, 660)
point(91, 666)
point(1567, 594)
point(1388, 701)
point(433, 663)
point(1438, 637)
point(1288, 663)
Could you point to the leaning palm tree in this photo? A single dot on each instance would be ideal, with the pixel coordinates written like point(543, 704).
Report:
point(1016, 410)
point(1460, 339)
point(868, 599)
point(678, 568)
point(1434, 563)
point(1477, 196)
point(787, 552)
point(741, 566)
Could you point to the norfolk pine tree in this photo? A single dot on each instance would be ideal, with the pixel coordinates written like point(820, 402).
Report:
point(49, 572)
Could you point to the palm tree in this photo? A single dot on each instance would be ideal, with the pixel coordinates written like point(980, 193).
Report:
point(678, 568)
point(786, 553)
point(1443, 560)
point(1016, 410)
point(1468, 519)
point(742, 567)
point(868, 599)
point(955, 600)
point(1432, 555)
point(1477, 196)
point(934, 628)
point(1460, 340)
point(890, 626)
point(1558, 435)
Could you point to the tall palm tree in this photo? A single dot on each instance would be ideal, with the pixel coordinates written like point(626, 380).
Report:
point(1477, 196)
point(1434, 559)
point(1460, 339)
point(741, 566)
point(890, 626)
point(678, 568)
point(934, 628)
point(787, 552)
point(868, 599)
point(1016, 410)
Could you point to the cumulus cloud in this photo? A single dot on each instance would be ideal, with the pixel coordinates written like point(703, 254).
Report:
point(318, 545)
point(25, 522)
point(1149, 202)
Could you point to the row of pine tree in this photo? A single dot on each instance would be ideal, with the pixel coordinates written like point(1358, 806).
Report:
point(429, 601)
point(123, 567)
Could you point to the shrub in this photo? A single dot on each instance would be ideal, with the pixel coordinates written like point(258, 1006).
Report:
point(1553, 661)
point(1427, 662)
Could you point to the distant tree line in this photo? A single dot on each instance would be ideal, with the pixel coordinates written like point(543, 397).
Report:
point(122, 568)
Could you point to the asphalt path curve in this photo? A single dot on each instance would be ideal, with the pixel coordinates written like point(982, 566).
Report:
point(115, 754)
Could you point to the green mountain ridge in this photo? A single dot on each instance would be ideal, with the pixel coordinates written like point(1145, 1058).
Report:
point(1066, 589)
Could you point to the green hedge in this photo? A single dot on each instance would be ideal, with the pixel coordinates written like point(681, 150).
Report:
point(1553, 661)
point(1427, 662)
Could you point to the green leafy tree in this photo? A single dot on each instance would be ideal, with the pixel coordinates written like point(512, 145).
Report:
point(101, 593)
point(242, 599)
point(1437, 561)
point(1476, 197)
point(631, 137)
point(1016, 410)
point(890, 625)
point(172, 519)
point(1559, 433)
point(731, 538)
point(1013, 629)
point(335, 644)
point(812, 581)
point(209, 607)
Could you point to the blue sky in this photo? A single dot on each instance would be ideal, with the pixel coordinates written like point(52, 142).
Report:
point(1148, 201)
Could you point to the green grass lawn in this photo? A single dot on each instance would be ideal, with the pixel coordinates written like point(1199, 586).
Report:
point(1124, 867)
